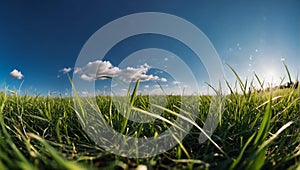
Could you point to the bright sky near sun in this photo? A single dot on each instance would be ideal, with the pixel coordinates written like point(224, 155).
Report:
point(41, 40)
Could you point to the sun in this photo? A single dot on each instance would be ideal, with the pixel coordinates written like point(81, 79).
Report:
point(271, 78)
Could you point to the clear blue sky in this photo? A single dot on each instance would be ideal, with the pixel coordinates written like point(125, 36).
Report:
point(39, 38)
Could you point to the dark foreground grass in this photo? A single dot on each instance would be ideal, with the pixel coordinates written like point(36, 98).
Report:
point(257, 130)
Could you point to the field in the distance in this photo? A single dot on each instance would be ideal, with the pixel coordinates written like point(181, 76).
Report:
point(257, 130)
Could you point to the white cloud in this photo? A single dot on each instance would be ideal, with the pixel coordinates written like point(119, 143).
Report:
point(16, 74)
point(100, 68)
point(176, 82)
point(66, 70)
point(86, 77)
point(134, 74)
point(97, 69)
point(77, 70)
point(163, 79)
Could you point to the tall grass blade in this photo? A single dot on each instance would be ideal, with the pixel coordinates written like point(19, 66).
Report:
point(261, 84)
point(287, 70)
point(64, 164)
point(258, 158)
point(265, 125)
point(242, 85)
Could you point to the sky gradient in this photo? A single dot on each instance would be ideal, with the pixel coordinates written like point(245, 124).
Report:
point(40, 39)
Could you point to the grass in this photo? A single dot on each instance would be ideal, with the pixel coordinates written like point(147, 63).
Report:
point(258, 130)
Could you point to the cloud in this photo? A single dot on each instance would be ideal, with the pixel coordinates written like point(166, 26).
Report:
point(99, 69)
point(77, 70)
point(86, 77)
point(134, 74)
point(66, 70)
point(163, 79)
point(176, 82)
point(16, 74)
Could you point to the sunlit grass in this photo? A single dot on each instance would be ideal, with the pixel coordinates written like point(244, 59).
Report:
point(258, 129)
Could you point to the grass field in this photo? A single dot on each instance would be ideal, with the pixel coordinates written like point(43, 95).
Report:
point(258, 129)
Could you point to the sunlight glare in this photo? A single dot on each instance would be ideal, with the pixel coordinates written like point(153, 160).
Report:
point(271, 78)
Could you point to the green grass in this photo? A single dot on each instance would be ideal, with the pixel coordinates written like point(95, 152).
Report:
point(258, 129)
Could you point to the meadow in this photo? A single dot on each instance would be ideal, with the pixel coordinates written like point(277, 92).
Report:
point(259, 129)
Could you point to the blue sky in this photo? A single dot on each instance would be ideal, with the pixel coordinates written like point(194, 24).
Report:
point(41, 38)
